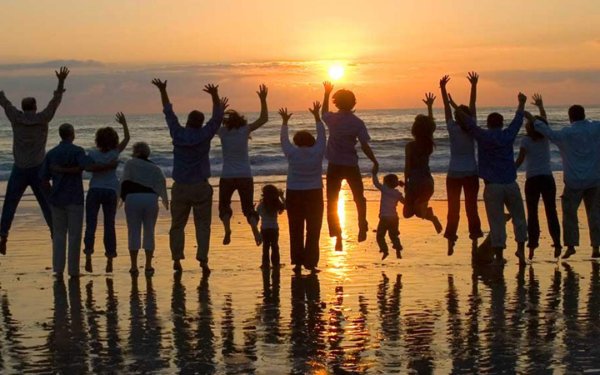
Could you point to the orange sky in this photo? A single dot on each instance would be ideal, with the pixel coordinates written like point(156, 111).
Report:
point(394, 51)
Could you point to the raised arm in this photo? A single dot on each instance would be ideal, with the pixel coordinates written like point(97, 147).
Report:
point(447, 109)
point(284, 137)
point(264, 112)
point(162, 87)
point(513, 129)
point(120, 118)
point(429, 99)
point(538, 102)
point(321, 141)
point(328, 86)
point(48, 113)
point(213, 91)
point(10, 110)
point(473, 78)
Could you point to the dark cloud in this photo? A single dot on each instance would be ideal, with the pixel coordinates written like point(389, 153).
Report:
point(52, 64)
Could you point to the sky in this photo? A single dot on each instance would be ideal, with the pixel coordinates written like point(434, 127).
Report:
point(392, 51)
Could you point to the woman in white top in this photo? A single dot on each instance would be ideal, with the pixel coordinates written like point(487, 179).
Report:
point(304, 196)
point(236, 174)
point(535, 151)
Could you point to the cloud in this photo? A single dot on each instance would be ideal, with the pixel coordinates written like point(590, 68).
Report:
point(52, 64)
point(517, 77)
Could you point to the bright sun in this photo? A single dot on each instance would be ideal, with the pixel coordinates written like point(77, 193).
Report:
point(336, 71)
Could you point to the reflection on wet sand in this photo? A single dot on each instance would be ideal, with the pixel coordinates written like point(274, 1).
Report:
point(512, 320)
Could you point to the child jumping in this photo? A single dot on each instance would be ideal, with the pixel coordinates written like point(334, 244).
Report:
point(388, 216)
point(271, 205)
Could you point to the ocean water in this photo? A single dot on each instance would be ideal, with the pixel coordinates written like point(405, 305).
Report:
point(389, 130)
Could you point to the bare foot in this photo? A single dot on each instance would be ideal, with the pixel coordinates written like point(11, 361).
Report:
point(437, 224)
point(385, 255)
point(451, 247)
point(3, 240)
point(177, 266)
point(88, 263)
point(362, 235)
point(570, 251)
point(338, 244)
point(257, 237)
point(227, 238)
point(205, 269)
point(109, 265)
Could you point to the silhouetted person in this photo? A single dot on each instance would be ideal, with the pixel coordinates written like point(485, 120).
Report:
point(191, 170)
point(578, 145)
point(462, 169)
point(345, 129)
point(271, 205)
point(304, 195)
point(30, 133)
point(236, 173)
point(389, 222)
point(535, 151)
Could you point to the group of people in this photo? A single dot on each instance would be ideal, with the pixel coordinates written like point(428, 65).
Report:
point(56, 179)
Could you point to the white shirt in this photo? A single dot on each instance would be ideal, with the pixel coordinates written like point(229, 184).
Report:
point(579, 146)
point(537, 156)
point(462, 150)
point(236, 162)
point(305, 164)
point(389, 199)
point(105, 179)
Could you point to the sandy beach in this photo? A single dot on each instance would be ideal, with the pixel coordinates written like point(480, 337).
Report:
point(425, 313)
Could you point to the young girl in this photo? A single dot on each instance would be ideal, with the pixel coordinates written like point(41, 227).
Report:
point(388, 216)
point(535, 151)
point(269, 207)
point(419, 182)
point(103, 192)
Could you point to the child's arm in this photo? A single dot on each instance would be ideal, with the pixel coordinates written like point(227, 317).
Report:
point(429, 99)
point(328, 89)
point(120, 117)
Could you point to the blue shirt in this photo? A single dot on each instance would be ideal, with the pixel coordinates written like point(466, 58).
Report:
point(67, 188)
point(191, 164)
point(495, 150)
point(579, 146)
point(345, 129)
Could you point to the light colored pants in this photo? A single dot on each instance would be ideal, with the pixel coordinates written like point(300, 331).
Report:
point(571, 199)
point(496, 196)
point(67, 220)
point(141, 210)
point(184, 197)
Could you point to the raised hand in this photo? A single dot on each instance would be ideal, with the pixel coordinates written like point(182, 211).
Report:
point(160, 84)
point(224, 102)
point(210, 88)
point(262, 92)
point(522, 98)
point(62, 73)
point(315, 108)
point(537, 100)
point(444, 80)
point(473, 77)
point(285, 116)
point(429, 99)
point(452, 102)
point(328, 86)
point(120, 118)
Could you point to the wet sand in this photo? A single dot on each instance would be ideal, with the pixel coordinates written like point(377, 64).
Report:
point(425, 313)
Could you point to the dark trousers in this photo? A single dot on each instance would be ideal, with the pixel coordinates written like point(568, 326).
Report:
point(390, 226)
point(454, 186)
point(270, 238)
point(107, 199)
point(335, 175)
point(305, 209)
point(245, 189)
point(545, 187)
point(18, 181)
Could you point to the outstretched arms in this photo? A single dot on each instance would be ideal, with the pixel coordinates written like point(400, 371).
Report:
point(429, 99)
point(213, 91)
point(447, 110)
point(538, 102)
point(48, 113)
point(162, 87)
point(328, 86)
point(264, 112)
point(473, 78)
point(120, 118)
point(284, 137)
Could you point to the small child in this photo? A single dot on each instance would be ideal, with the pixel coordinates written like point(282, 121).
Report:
point(388, 216)
point(271, 205)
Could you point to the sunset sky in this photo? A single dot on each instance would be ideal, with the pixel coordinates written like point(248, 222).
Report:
point(392, 51)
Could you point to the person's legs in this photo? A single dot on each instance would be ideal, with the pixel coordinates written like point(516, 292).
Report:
point(266, 245)
point(133, 215)
point(203, 193)
point(471, 188)
point(150, 216)
point(275, 258)
point(17, 183)
point(75, 228)
point(382, 228)
point(334, 185)
point(245, 188)
point(394, 234)
point(514, 203)
point(421, 203)
point(35, 182)
point(180, 211)
point(59, 238)
point(313, 216)
point(571, 199)
point(453, 189)
point(549, 198)
point(92, 206)
point(226, 188)
point(493, 197)
point(295, 208)
point(109, 211)
point(533, 190)
point(356, 185)
point(591, 200)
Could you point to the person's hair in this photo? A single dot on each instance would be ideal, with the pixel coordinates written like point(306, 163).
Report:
point(495, 120)
point(422, 131)
point(234, 120)
point(390, 180)
point(66, 131)
point(344, 100)
point(270, 199)
point(195, 119)
point(141, 150)
point(29, 104)
point(576, 113)
point(303, 138)
point(458, 118)
point(530, 129)
point(106, 139)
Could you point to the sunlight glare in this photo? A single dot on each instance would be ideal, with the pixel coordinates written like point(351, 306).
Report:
point(336, 72)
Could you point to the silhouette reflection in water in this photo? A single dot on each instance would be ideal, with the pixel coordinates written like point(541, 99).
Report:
point(388, 302)
point(11, 340)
